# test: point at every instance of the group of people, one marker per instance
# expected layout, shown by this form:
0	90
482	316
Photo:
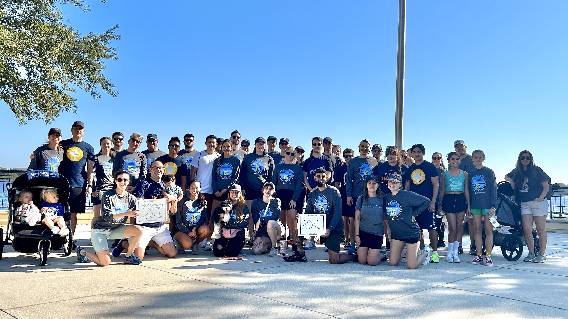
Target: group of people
227	196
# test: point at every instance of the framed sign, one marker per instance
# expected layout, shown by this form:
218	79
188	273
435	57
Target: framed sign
311	225
151	211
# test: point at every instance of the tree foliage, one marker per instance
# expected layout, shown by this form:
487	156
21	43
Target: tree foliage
43	61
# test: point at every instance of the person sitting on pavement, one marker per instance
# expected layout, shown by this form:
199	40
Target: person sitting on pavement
191	218
117	206
265	214
401	209
369	225
231	219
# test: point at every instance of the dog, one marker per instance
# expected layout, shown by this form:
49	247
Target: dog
221	217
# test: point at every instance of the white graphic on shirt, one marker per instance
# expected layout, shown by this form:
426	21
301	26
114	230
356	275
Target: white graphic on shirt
478	184
225	171
321	204
259	166
365	170
393	209
286	175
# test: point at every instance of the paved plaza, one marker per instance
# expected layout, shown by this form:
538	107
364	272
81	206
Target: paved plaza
202	286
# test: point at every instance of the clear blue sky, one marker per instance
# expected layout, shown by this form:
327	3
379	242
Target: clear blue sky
490	72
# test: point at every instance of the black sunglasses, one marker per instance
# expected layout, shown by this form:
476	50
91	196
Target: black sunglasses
528	158
316	144
118	138
436	157
120	180
235	137
291	153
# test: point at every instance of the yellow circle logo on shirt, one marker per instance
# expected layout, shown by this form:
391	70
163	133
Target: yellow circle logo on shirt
170	168
418	176
74	154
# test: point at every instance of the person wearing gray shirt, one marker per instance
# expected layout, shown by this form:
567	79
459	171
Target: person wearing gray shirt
369	226
152	152
131	161
358	170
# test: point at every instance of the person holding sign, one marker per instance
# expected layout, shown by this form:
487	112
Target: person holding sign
231	219
325	199
152	187
369	226
401	208
191	216
117	206
265	214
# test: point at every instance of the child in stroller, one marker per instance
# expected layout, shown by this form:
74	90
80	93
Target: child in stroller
52	212
27	211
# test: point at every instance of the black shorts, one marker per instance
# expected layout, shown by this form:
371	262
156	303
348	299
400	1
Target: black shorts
408	240
285	196
77	198
333	241
346	210
252	194
370	241
454	203
426	220
262	231
229	247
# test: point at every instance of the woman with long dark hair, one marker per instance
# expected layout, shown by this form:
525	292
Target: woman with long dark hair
531	185
233	217
190	218
101	181
369	225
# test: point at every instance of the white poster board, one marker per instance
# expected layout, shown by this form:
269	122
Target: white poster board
311	225
151	211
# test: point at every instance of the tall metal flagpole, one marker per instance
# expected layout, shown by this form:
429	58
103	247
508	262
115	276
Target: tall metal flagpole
400	72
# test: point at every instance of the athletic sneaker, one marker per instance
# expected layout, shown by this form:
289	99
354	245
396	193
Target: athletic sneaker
530	257
80	257
273	252
457	259
206	245
55	230
460	249
351	249
539	259
296	257
487	261
435	258
116	251
477	260
472	250
64	232
450	257
441	243
310	244
132	260
428	251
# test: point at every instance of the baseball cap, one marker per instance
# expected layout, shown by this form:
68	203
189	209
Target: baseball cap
54	130
284	140
151	137
245	143
395	177
269	184
271	138
377	147
78	123
320	170
259	140
459	142
300	150
327	140
235	187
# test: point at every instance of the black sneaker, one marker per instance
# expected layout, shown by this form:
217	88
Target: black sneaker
472	250
460	249
296	257
441	243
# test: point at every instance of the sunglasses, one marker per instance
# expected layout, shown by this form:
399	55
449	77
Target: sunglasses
525	158
316	144
235	137
436	157
120	180
118	138
291	153
188	140
136	141
348	155
174	146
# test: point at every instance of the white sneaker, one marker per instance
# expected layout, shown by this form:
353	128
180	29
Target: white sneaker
428	252
457	258
206	245
55	230
450	256
273	252
64	232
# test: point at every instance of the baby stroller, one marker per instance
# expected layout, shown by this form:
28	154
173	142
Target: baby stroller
37	238
509	234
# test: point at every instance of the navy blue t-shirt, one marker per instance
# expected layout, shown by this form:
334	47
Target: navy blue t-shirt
312	164
173	166
75	156
420	177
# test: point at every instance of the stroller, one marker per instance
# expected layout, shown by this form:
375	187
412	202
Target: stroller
509	233
37	238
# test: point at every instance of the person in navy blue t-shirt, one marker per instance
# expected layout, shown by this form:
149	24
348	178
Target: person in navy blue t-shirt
316	160
76	153
422	178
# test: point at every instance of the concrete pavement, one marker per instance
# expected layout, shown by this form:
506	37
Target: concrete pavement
202	286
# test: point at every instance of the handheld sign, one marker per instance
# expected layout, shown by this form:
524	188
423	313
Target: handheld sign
311	225
151	211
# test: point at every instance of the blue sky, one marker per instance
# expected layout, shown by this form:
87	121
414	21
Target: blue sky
490	72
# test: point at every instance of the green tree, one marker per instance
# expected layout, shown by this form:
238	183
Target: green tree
43	61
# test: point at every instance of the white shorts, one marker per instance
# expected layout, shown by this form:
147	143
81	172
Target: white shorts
161	235
534	208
